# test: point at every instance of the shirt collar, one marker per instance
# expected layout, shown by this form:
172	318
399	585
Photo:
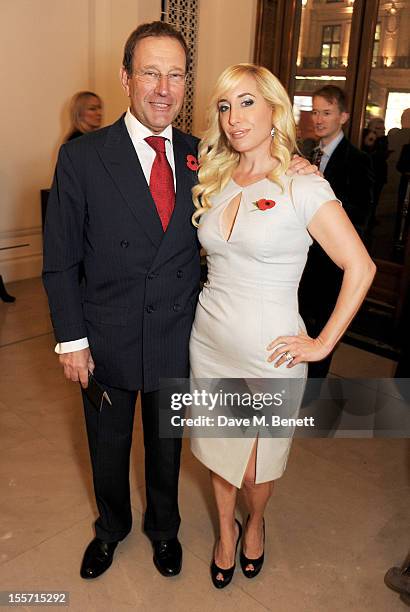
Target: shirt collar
329	148
138	132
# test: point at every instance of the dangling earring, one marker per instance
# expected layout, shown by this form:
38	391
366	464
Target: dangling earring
272	132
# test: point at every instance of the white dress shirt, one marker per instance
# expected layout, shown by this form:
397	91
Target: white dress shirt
328	150
146	155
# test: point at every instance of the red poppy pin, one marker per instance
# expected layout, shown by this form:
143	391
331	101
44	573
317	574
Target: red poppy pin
192	163
264	204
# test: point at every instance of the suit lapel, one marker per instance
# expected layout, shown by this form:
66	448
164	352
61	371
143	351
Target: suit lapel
185	180
335	163
121	161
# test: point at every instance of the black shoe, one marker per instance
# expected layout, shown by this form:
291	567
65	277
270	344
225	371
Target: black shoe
227	574
405	598
257	563
97	558
398	578
6	297
167	556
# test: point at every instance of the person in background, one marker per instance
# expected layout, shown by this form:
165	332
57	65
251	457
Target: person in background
398	141
379	153
403	167
369	138
397	138
86	114
350	174
376	124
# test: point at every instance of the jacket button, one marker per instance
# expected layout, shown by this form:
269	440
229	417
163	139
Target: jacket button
150	309
180	274
124	244
176	307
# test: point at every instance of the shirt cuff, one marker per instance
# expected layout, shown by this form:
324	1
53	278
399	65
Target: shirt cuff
72	346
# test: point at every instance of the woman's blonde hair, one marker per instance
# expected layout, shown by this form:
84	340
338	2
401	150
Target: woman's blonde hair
217	158
77	106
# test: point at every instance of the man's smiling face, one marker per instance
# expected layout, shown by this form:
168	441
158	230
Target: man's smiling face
156	104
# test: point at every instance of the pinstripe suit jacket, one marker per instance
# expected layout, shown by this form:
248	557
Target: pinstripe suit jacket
139	286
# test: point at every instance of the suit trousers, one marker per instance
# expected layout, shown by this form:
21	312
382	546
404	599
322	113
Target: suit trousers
109	439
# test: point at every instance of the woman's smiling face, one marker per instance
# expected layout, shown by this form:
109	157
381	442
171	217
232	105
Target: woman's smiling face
245	116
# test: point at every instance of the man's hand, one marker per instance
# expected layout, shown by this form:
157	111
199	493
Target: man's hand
77	365
300	165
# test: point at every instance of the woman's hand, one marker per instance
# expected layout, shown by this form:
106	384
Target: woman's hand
297	349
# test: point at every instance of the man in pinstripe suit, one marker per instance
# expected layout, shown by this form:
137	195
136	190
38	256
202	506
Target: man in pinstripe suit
130	319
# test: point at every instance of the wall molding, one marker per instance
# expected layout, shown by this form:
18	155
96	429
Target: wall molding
19	233
21	253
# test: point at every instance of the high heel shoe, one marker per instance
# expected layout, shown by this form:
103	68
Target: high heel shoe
257	563
227	574
6	297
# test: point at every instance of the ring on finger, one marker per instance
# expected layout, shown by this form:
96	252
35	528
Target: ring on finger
288	356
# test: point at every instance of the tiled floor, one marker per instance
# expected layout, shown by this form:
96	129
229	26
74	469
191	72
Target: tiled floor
338	519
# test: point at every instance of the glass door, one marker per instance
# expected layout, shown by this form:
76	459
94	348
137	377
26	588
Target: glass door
362	46
322	56
385	134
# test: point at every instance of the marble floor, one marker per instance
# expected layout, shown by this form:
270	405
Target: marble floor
338	518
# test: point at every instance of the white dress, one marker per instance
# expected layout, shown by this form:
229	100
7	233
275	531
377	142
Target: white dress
250	298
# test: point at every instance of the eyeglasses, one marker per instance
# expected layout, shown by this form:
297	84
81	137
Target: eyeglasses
153	77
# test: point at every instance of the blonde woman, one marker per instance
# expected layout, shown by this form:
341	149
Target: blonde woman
256	224
86	114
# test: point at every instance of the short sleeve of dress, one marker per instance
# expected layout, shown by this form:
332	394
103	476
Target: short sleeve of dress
308	193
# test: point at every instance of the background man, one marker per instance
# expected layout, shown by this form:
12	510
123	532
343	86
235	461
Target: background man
350	174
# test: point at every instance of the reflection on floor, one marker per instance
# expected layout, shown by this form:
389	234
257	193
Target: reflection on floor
337	521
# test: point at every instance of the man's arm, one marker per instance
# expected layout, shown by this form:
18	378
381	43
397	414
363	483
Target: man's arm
63	251
63	254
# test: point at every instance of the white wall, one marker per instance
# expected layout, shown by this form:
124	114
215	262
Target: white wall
49	49
114	21
39	71
226	36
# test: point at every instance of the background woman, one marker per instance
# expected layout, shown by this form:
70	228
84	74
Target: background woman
86	114
256	223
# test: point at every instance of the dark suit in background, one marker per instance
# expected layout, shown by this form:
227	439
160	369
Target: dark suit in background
135	305
350	174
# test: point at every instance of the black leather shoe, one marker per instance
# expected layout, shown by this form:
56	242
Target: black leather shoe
6	297
97	558
167	556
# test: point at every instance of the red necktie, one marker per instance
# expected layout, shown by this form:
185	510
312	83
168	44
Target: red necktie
161	182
